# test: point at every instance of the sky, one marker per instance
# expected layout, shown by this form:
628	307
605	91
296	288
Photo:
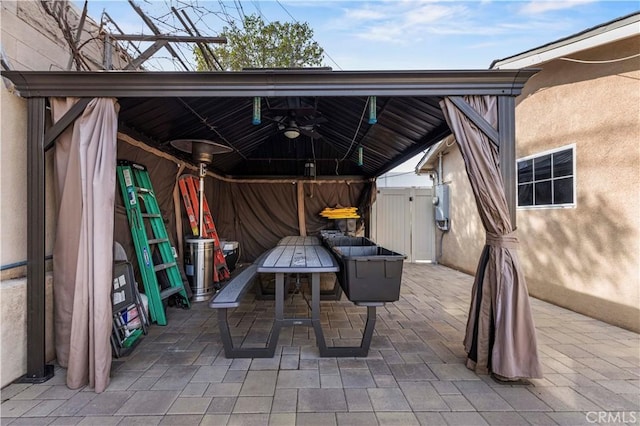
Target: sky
390	34
397	34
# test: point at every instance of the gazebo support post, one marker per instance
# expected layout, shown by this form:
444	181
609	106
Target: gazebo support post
37	370
507	143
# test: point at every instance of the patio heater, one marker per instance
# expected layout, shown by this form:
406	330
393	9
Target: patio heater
199	261
202	151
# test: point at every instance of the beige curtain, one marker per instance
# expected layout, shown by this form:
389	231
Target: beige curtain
500	336
85	163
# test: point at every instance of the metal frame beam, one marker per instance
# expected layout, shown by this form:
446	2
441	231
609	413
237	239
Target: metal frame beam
507	143
146	54
476	119
74	45
69	117
156	31
37	369
504	139
308	82
168	38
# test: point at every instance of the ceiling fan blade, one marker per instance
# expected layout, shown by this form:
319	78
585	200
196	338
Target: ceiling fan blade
310	133
276	119
312	120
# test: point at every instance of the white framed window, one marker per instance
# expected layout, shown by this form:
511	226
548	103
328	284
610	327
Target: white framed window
548	179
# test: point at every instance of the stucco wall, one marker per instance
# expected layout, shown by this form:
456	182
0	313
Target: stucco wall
585	258
13	332
24	44
463	243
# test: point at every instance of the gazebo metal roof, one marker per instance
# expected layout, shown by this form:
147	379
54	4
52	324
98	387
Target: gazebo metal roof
157	107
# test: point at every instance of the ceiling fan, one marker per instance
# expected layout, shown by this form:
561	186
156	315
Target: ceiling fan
293	126
296	116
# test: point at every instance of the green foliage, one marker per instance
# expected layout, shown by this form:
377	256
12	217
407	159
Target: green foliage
256	45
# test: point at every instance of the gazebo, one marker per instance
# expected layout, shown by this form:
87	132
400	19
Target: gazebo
353	126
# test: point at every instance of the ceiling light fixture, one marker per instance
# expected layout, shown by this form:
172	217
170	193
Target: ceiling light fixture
292	131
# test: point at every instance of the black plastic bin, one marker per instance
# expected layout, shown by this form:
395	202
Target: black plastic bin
327	233
369	273
348	241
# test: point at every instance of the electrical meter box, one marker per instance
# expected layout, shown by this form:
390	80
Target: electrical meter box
442	203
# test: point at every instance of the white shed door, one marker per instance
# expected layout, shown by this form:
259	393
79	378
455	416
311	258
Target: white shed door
402	221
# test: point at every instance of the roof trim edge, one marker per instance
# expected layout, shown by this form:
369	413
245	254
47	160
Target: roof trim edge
608	32
269	83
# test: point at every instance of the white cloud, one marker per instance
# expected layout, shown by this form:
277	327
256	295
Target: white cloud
402	22
383	34
541	6
432	13
365	14
401	34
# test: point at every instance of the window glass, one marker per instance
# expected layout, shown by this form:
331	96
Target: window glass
563	191
525	194
563	163
525	171
547	179
542	167
542	193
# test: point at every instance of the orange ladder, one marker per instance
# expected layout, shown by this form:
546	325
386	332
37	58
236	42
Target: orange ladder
189	185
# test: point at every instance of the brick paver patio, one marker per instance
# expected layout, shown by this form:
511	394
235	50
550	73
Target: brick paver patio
414	374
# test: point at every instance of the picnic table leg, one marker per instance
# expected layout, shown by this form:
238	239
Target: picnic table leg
232	352
339	351
334	294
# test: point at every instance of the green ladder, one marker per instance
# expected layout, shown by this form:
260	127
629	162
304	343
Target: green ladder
138	195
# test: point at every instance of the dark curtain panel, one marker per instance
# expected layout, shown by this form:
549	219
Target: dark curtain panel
255	214
319	196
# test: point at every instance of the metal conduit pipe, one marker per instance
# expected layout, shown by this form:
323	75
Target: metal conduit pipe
19	264
442	230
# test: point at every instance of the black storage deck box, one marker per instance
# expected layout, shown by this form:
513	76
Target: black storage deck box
369	273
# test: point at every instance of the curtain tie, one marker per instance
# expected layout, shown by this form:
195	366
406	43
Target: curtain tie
508	241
